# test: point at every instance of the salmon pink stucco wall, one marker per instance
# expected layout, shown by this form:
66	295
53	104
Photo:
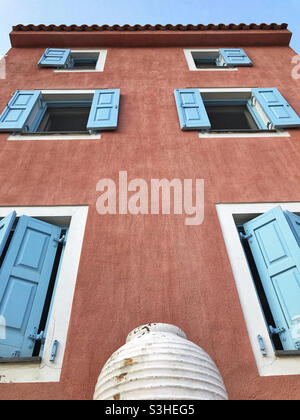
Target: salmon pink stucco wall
136	269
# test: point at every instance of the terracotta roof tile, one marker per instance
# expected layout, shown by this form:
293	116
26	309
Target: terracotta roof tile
148	27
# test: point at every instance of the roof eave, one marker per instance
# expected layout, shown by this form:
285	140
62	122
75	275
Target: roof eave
149	36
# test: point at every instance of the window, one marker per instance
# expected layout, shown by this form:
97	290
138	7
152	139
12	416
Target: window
216	59
271	242
73	60
206	60
31	251
241	110
36	288
56	112
263	244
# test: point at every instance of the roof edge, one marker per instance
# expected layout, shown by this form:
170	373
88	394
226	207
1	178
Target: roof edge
63	36
148	27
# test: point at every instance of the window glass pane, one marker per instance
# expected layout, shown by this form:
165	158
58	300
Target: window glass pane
65	119
205	63
205	59
230	118
84	64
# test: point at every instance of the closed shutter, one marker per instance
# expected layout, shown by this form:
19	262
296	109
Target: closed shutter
277	257
24	280
19	110
56	57
104	110
191	110
277	109
235	57
6	225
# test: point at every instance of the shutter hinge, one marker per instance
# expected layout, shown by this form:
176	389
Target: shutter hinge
70	64
262	345
253	101
60	240
274	331
25	129
53	351
297	345
36	337
246	237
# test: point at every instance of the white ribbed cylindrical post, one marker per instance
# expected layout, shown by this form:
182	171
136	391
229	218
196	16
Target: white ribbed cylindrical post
159	363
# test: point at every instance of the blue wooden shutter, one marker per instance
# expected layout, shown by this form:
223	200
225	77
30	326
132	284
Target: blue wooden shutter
104	110
24	281
235	57
279	112
277	257
6	225
55	57
294	222
18	111
191	110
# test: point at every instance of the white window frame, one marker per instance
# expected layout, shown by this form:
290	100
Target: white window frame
99	65
234	93
229	214
46	371
63	94
191	63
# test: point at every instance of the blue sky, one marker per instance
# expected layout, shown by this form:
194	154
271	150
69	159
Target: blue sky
147	11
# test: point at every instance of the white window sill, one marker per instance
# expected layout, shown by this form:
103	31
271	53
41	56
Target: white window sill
32	136
228	215
215	69
46	371
76	71
223	135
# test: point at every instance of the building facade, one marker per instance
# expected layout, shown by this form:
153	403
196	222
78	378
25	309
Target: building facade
99	124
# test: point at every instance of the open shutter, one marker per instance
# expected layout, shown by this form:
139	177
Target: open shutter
104	110
294	222
277	257
191	110
55	57
17	112
279	112
235	57
6	225
25	275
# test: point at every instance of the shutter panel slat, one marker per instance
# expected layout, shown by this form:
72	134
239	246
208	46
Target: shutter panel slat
277	109
277	257
25	276
104	110
235	57
191	110
6	225
56	57
18	110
